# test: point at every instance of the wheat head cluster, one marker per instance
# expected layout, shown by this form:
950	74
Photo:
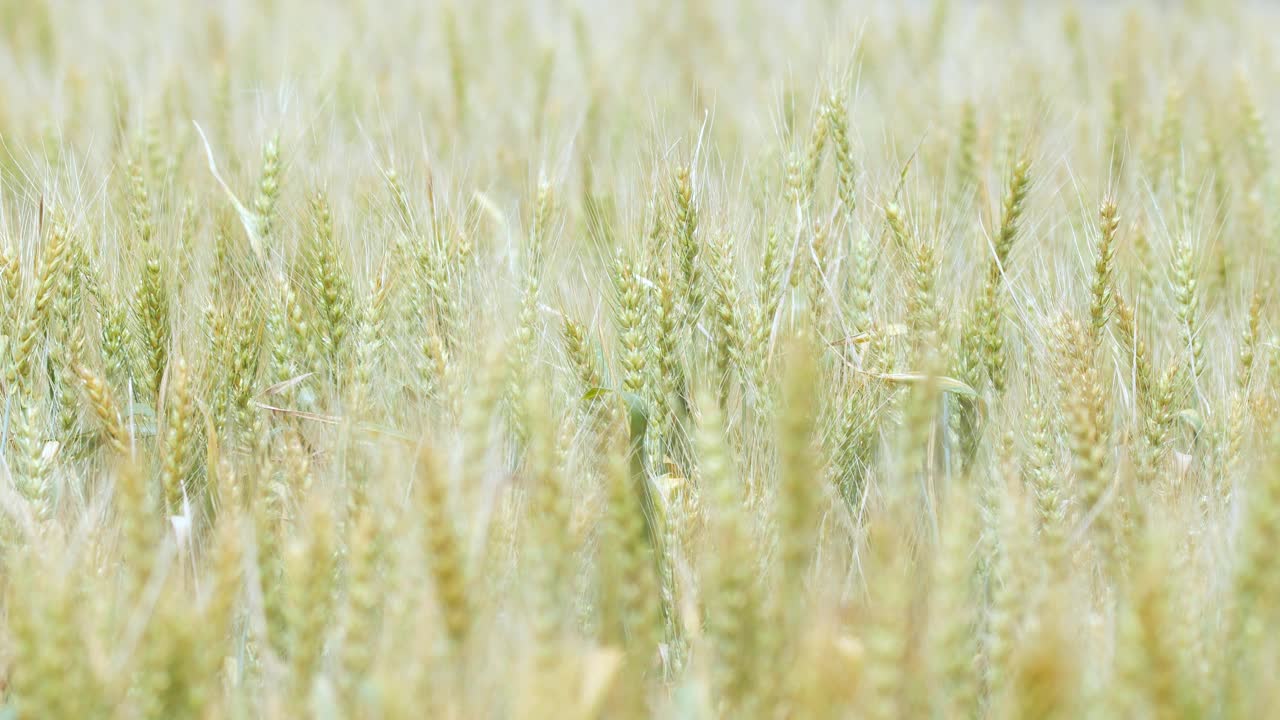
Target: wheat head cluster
575	359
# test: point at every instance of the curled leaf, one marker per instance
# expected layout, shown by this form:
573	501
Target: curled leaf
945	383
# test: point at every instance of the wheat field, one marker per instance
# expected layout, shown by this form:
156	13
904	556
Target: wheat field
579	359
